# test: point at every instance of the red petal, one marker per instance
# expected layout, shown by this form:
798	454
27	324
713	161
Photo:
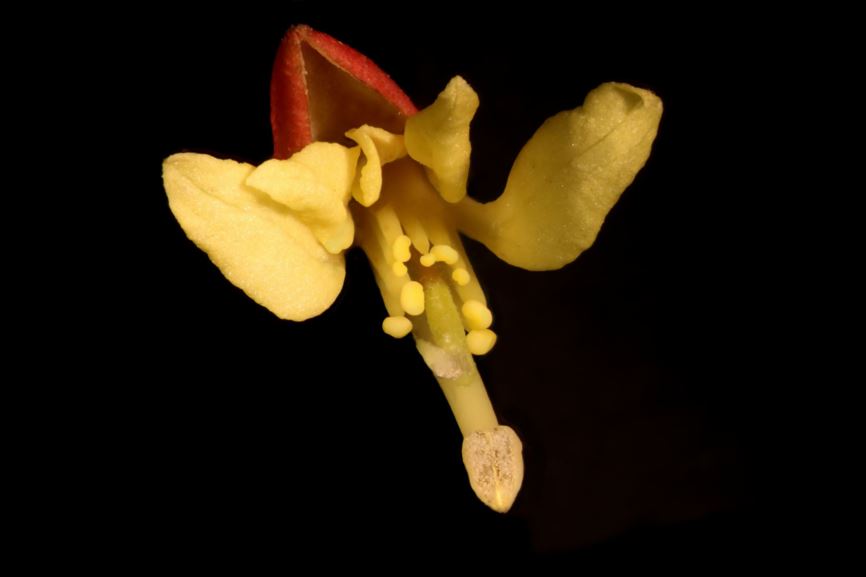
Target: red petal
320	88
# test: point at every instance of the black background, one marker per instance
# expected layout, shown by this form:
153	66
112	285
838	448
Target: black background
636	376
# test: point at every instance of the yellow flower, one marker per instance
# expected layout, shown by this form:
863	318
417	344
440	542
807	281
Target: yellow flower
278	231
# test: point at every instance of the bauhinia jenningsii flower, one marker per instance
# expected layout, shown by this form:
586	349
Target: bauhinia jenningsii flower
357	164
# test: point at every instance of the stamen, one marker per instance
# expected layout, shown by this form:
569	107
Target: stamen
472	289
397	327
389	285
400	248
439	253
436	225
337	238
460	276
387	222
477	315
412	298
480	341
399	269
379	147
415	230
444	253
427	260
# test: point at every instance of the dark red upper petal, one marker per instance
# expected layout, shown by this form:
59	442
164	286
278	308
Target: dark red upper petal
320	88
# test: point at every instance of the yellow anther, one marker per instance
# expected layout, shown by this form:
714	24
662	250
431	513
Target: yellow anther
412	298
400	248
397	327
460	276
399	269
480	341
477	315
428	259
444	253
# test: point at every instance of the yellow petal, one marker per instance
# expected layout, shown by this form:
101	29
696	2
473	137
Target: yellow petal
438	138
379	147
258	244
567	178
332	164
315	185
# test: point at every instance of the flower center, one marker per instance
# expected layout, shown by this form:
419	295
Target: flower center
413	244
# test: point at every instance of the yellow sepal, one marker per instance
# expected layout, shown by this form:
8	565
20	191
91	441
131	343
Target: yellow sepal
566	179
258	244
438	138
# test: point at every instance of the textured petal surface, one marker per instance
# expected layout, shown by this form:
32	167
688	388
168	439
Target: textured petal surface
379	147
257	243
566	179
315	184
438	138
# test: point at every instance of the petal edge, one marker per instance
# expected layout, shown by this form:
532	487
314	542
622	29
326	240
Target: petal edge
566	179
265	251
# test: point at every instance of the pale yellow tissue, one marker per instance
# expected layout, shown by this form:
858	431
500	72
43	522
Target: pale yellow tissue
567	178
427	260
461	276
337	237
399	269
401	248
259	245
397	327
476	315
316	194
333	165
379	147
480	341
438	138
445	253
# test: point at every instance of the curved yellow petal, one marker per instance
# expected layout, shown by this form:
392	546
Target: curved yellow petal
332	164
566	179
379	147
315	184
438	138
258	244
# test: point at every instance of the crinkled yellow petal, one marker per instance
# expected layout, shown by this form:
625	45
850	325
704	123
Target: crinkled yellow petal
333	165
379	147
567	178
258	244
438	138
315	185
